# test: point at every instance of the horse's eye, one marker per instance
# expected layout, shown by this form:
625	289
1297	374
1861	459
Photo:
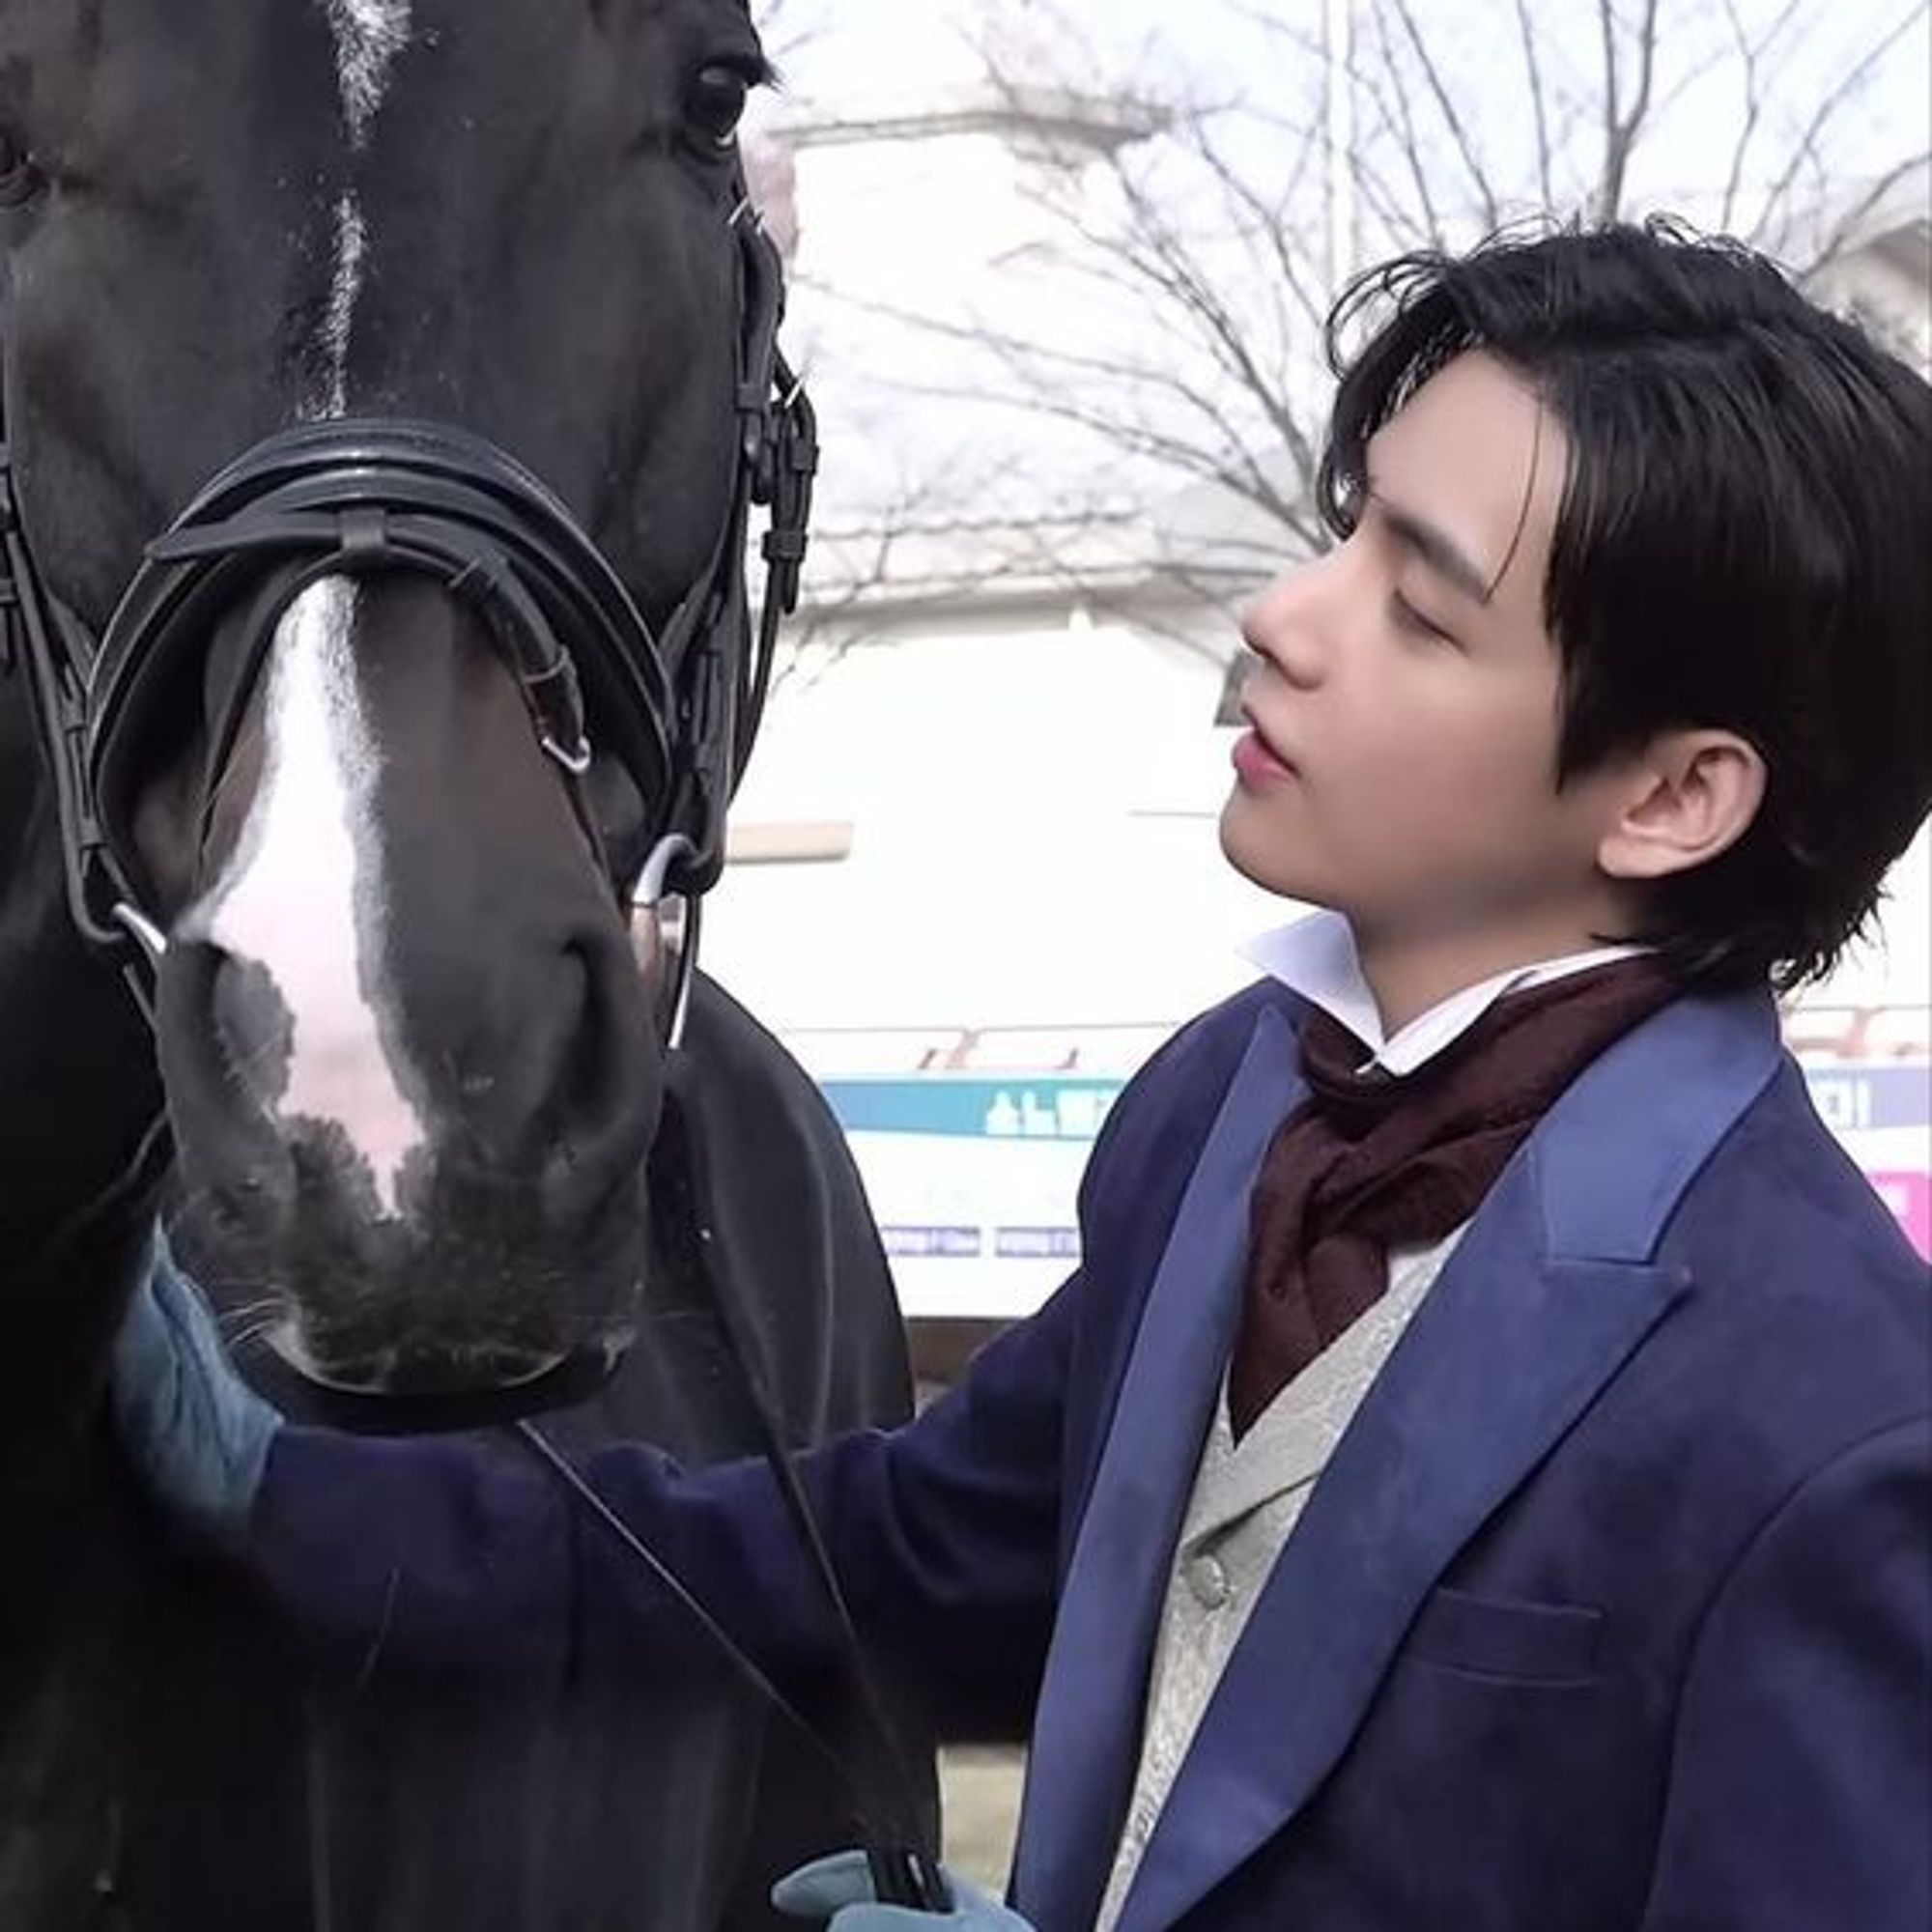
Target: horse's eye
716	104
19	178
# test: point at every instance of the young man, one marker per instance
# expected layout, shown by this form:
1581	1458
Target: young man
1495	1206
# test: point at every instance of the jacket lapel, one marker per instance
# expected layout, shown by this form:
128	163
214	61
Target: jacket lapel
1087	1728
1546	1295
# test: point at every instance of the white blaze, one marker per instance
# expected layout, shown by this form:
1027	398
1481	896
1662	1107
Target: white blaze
304	894
351	244
369	35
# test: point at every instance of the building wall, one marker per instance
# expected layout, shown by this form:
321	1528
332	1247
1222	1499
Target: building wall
1033	836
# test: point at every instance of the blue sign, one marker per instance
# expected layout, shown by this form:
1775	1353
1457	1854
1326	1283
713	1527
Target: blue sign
1852	1099
1048	1108
974	1178
1860	1100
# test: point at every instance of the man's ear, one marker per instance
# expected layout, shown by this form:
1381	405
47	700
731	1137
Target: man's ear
1691	795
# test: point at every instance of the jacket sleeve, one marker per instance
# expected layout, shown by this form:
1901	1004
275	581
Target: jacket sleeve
467	1554
1801	1777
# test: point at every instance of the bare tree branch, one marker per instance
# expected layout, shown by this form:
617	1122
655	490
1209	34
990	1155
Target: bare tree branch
1806	149
1607	25
1623	127
1747	58
1532	66
1413	148
1182	340
1451	117
1846	229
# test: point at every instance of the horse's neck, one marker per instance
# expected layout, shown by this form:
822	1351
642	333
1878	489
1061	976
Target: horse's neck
77	1083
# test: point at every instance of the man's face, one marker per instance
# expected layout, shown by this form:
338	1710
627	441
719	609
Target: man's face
1405	696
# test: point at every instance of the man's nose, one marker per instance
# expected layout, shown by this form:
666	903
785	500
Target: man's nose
1287	626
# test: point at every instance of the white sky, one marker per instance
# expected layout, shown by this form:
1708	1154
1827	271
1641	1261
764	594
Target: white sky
884	49
919	41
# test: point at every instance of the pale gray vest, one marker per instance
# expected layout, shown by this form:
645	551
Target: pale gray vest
1246	1500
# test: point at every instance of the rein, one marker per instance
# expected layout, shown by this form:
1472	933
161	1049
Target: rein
903	1863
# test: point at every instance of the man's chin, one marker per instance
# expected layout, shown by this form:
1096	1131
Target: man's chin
1248	849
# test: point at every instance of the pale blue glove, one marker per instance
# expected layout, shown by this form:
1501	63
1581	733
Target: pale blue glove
198	1434
840	1890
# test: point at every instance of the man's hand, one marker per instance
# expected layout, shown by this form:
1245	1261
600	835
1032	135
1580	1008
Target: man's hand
198	1434
838	1889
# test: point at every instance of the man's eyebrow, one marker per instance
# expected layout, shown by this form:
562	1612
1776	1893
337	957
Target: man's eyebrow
1438	551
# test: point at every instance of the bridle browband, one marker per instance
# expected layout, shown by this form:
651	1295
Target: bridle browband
679	712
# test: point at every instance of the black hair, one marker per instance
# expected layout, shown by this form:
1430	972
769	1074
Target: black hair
1744	541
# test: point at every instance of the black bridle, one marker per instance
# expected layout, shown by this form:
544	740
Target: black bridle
679	712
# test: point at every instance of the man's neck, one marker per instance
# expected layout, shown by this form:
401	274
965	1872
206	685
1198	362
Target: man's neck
1409	977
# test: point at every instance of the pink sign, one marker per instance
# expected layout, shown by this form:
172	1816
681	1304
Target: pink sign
1909	1196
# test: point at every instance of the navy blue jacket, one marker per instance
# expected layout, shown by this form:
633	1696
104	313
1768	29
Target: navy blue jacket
1612	1611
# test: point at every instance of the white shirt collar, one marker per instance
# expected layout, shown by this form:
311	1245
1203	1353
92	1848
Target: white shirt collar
1314	957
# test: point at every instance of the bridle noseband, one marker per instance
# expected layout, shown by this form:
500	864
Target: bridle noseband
678	712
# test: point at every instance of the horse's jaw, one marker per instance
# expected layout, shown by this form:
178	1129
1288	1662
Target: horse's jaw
393	1372
403	1396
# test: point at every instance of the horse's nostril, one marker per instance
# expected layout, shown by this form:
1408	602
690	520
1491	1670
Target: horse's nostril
253	1026
223	1042
581	1018
606	1088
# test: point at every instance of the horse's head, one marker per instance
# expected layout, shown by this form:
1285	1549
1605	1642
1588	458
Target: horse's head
341	755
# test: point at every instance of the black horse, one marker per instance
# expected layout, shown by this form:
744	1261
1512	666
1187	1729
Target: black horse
298	300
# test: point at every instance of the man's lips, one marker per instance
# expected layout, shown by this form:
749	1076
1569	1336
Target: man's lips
1257	759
